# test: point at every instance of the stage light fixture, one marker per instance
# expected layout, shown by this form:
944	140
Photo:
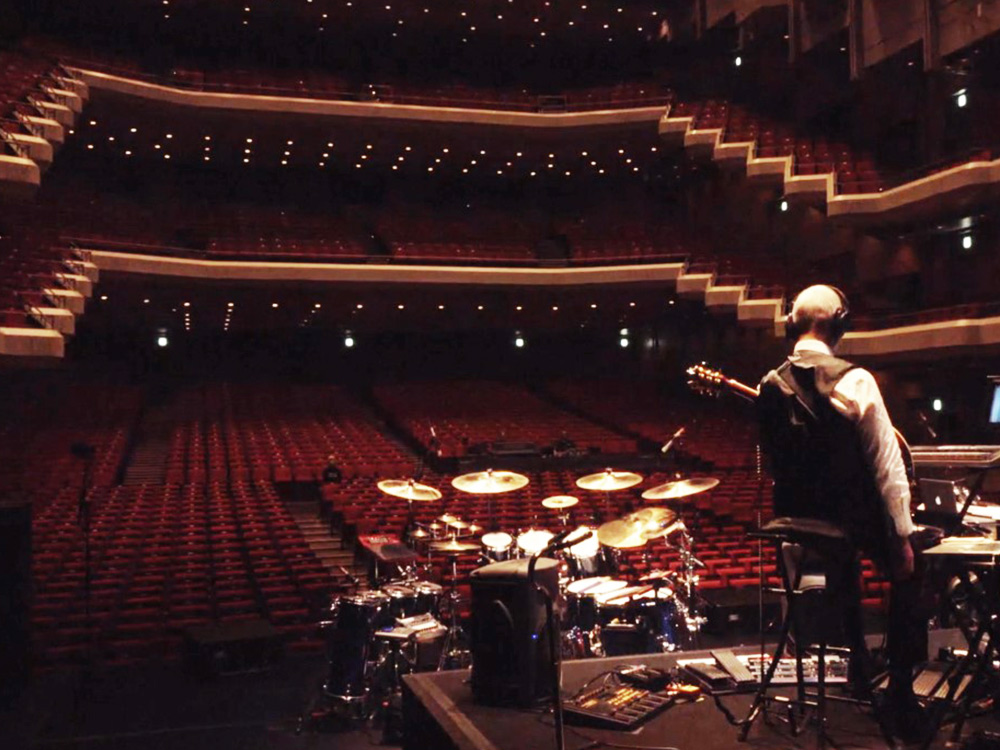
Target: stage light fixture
519	342
937	404
738	62
783	206
967	242
349	341
961	98
623	342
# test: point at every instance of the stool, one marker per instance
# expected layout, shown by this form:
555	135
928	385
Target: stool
825	549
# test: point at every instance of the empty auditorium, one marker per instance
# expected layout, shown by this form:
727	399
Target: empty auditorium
499	375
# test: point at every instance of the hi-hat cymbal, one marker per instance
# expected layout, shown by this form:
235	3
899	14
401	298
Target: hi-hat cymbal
453	547
419	534
681	488
409	489
621	534
559	502
489	482
609	480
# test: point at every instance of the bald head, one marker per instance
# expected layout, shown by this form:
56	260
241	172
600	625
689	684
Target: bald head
813	311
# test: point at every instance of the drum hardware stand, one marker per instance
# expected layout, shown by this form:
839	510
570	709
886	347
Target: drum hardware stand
452	654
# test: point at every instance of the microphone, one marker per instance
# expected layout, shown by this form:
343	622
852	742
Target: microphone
667	445
566	539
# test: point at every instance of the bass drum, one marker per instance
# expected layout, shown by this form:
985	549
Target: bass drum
653	613
349	632
582	600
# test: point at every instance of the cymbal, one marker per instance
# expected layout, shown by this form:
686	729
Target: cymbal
457	524
453	547
409	489
559	502
475	528
419	534
489	482
655	522
681	488
621	534
447	518
609	480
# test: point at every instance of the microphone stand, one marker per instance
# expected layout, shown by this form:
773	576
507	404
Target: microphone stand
554	656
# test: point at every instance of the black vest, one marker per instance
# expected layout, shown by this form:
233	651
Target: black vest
815	454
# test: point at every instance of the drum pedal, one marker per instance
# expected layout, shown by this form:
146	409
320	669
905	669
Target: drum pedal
741	675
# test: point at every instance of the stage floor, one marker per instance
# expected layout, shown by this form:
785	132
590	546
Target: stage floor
439	713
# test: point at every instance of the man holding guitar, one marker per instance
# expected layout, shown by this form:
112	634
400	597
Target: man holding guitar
834	455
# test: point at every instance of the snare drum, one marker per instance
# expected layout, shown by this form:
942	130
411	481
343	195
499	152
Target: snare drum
533	541
353	621
497	545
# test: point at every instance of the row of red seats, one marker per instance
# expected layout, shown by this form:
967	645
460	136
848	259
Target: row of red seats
465	413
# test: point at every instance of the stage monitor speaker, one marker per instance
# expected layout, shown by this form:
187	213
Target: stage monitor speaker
510	647
15	595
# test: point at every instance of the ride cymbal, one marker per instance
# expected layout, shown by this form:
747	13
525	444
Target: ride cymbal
609	480
409	489
489	482
680	489
560	502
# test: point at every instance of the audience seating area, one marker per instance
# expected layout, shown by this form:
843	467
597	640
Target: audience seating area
20	75
466	413
168	557
279	432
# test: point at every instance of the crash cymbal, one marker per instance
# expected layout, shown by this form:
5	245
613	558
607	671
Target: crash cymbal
457	524
653	516
609	480
560	502
679	489
409	489
621	534
447	518
453	547
489	482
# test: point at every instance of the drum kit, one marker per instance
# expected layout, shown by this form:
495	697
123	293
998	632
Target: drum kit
412	624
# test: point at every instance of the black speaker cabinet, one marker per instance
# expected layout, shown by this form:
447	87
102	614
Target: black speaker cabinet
15	595
510	647
231	648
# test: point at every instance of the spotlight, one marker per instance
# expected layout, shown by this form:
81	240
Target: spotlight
783	206
961	98
519	341
623	342
349	341
966	241
161	341
738	61
937	405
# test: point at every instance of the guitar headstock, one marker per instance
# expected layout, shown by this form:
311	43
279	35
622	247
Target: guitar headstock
705	381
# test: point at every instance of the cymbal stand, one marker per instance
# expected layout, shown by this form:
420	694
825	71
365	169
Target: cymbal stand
688	605
452	654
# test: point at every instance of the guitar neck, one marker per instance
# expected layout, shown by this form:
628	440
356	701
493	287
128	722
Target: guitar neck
741	389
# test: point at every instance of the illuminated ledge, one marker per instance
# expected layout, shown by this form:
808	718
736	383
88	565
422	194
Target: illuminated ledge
364	273
329	107
19	176
31	342
943	335
956	186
